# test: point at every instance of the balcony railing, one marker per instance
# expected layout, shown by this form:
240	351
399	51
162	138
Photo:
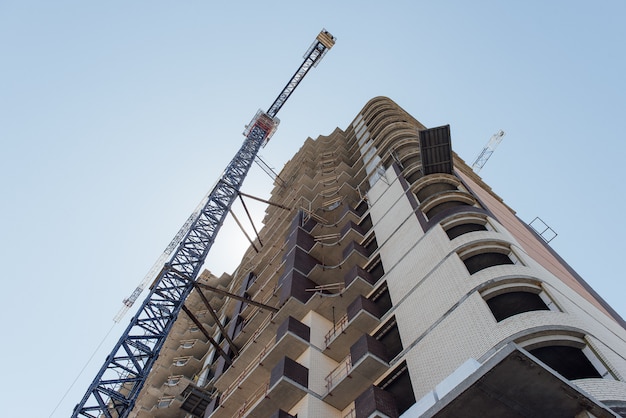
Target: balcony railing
253	399
249	367
365	363
362	317
338	328
339	373
292	338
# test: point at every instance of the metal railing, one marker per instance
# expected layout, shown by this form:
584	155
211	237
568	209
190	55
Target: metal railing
251	366
339	327
253	399
340	372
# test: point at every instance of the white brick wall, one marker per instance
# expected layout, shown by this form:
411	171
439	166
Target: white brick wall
319	327
312	407
603	389
442	318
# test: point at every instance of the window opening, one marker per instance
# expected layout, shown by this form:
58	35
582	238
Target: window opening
568	361
361	208
239	324
366	223
378	174
465	228
251	279
173	380
389	336
484	260
443	206
187	343
398	383
382	298
376	269
165	402
434	188
371	245
181	361
508	304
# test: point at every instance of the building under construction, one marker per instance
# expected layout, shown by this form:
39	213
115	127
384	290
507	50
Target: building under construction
389	280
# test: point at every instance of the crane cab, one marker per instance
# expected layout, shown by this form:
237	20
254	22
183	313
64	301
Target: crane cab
264	122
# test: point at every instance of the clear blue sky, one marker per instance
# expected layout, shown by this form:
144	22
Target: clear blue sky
117	117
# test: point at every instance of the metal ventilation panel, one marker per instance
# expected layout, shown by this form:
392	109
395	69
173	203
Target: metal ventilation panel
436	150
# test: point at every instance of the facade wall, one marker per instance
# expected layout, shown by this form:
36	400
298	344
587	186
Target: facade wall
363	285
536	249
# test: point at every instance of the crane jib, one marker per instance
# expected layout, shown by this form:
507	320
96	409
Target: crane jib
114	391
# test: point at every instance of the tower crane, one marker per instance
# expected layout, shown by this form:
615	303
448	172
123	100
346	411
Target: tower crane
484	155
115	389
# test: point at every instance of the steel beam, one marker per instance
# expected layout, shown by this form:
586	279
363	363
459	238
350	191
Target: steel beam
206	334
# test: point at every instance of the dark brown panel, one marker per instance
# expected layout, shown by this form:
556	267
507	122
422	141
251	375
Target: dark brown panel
436	150
375	400
291	370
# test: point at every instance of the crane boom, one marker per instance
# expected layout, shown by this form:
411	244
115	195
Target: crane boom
484	155
114	390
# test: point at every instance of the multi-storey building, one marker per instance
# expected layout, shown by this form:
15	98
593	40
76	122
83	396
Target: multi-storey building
390	280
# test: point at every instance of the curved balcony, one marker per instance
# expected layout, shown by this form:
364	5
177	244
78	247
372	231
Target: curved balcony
445	201
185	365
347	213
434	184
353	254
326	248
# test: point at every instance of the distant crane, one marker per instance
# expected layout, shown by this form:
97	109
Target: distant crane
487	151
115	389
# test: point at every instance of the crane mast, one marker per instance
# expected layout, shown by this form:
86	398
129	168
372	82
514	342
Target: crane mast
114	390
